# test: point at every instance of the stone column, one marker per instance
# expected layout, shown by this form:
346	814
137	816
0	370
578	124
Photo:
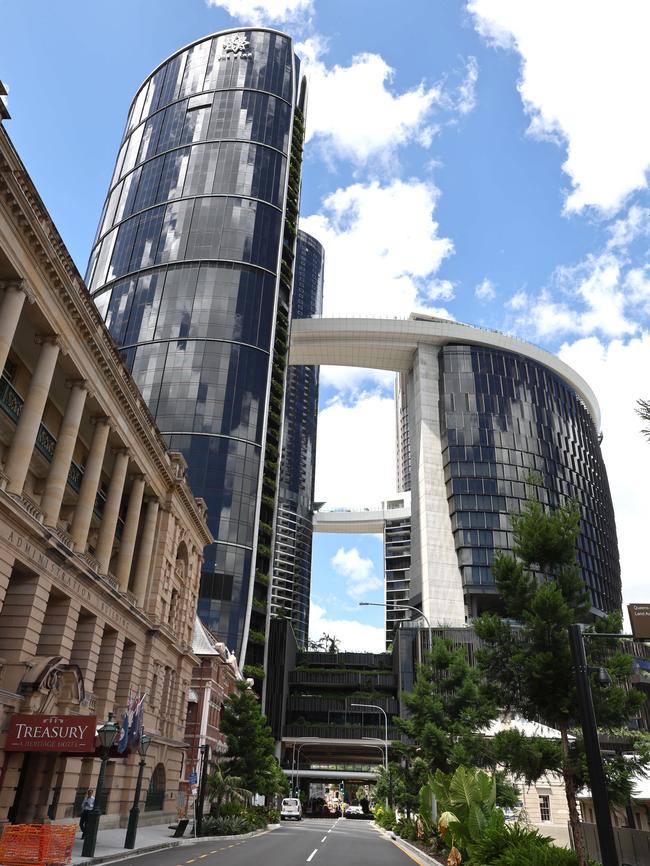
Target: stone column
111	511
108	669
89	484
129	533
59	626
143	564
22	446
86	646
10	309
67	438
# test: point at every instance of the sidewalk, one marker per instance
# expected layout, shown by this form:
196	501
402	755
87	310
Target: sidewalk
110	843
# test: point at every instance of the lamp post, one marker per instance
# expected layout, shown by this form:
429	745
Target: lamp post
107	735
400	606
592	747
300	748
381	710
382	749
134	814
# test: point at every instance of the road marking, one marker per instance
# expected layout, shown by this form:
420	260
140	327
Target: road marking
324	838
202	856
190	861
408	853
311	856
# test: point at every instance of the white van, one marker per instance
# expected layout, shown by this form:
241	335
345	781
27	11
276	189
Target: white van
291	808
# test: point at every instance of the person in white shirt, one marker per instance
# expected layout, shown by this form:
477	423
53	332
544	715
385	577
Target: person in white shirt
87	806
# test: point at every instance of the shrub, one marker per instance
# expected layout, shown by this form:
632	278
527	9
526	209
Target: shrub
230	809
229	825
407	828
269	814
386	818
502	844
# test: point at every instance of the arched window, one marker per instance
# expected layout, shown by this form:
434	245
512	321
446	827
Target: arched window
182	560
156	791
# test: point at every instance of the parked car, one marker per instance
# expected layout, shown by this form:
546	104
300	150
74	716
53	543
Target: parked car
291	808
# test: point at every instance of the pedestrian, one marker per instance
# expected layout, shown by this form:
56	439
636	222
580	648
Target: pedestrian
87	806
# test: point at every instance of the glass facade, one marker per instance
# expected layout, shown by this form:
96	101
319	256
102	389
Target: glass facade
508	421
293	538
186	270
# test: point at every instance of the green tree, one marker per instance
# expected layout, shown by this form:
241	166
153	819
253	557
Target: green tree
529	665
250	744
447	709
223	787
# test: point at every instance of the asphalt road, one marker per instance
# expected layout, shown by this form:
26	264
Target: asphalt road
320	842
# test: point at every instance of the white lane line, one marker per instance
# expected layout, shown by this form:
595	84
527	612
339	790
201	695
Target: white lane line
324	838
311	856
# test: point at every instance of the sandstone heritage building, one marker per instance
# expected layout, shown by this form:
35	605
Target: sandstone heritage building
101	540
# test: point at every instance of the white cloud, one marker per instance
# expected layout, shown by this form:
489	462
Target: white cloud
598	295
373	123
356	451
485	290
584	73
467	91
382	247
624	231
354	379
261	11
358	570
354	636
618	373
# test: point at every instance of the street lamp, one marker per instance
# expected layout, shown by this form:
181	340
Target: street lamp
107	735
134	814
293	759
381	710
300	748
401	606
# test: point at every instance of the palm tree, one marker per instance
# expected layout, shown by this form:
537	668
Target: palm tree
222	787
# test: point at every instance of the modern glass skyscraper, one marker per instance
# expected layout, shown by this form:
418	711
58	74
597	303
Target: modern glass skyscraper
192	268
294	530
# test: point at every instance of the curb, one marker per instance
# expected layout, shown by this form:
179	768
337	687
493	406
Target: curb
409	849
163	846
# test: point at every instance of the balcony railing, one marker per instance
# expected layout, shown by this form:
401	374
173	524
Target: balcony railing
342	732
359	680
317	704
12	405
373	661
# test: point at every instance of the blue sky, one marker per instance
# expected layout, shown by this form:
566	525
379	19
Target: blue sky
485	160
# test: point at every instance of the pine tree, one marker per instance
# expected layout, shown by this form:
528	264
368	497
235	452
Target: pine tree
529	665
447	709
250	744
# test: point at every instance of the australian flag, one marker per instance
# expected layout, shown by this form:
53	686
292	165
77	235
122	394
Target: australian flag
137	721
123	741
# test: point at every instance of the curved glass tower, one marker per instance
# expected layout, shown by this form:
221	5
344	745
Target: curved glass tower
294	525
192	269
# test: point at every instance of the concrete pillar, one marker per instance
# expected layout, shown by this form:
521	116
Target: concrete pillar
108	669
147	539
7	560
10	309
129	533
434	564
89	485
111	511
22	445
21	620
59	626
58	475
86	646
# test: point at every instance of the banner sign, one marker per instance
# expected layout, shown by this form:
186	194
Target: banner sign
640	620
38	733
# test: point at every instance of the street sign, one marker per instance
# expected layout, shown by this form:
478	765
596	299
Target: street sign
192	778
640	620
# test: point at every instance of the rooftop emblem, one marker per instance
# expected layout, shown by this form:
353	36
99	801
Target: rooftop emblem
235	46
